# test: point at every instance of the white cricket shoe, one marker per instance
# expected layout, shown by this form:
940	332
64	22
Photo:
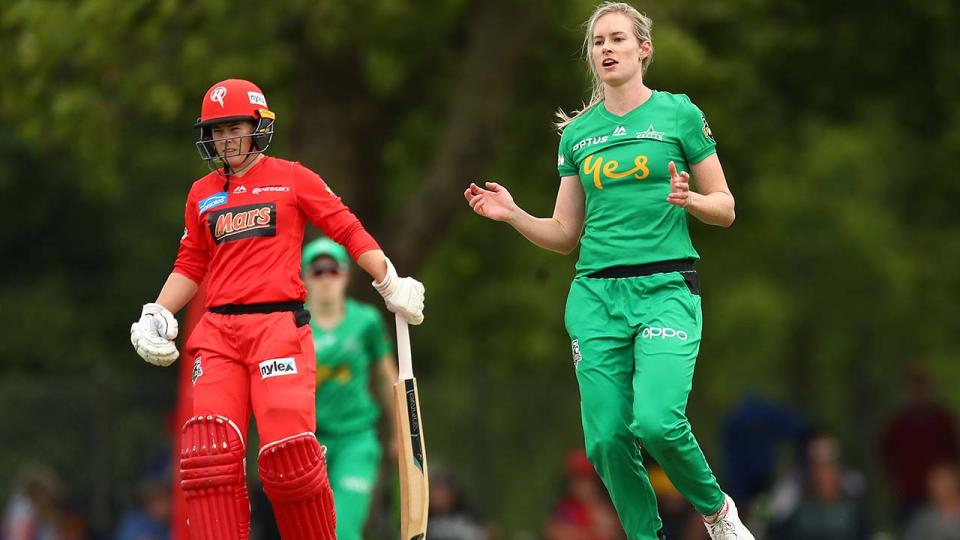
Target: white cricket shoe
728	525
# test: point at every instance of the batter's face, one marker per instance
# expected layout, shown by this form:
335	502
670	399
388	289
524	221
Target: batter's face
326	279
233	142
617	54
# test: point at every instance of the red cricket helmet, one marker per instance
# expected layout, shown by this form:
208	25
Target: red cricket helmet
233	100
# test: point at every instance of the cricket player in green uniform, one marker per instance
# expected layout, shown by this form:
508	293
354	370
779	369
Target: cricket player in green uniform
633	311
355	376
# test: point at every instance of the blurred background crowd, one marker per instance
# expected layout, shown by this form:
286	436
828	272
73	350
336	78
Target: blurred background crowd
791	476
825	394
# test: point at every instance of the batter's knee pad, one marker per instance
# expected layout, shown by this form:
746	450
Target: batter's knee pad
213	479
293	472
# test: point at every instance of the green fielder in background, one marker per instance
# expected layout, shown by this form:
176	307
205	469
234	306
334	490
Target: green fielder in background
633	311
355	376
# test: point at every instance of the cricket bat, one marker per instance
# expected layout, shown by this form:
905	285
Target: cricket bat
414	483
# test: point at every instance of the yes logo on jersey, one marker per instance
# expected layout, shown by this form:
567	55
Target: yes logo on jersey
340	373
250	221
595	165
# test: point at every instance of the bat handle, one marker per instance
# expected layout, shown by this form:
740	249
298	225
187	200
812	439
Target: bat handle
404	360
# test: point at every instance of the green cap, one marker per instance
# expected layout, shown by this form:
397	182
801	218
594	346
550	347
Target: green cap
324	246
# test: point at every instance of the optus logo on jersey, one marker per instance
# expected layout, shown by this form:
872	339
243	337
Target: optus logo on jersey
594	164
656	332
589	141
276	367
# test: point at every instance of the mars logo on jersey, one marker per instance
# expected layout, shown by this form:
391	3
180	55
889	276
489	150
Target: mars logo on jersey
277	367
241	222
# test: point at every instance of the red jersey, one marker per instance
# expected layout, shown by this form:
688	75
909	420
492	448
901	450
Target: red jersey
249	237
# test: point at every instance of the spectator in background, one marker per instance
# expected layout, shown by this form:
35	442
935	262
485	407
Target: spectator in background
584	511
919	435
74	522
451	518
33	511
940	518
150	520
751	436
830	505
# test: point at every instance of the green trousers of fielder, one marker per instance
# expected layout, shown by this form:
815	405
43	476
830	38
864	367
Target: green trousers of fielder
353	462
635	343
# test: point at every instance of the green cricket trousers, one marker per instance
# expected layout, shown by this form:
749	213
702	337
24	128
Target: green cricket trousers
635	337
353	463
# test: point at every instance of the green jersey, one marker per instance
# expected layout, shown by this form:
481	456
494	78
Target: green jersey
345	355
623	162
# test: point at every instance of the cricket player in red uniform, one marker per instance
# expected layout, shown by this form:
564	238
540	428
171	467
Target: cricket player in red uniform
253	349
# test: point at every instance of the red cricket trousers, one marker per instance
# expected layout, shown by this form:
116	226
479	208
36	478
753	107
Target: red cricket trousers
262	361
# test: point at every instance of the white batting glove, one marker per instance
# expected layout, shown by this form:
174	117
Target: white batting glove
403	296
152	336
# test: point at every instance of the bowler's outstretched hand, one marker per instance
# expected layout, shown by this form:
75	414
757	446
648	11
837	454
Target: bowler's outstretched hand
494	203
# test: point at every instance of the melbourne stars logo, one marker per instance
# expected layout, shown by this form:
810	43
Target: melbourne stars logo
650	133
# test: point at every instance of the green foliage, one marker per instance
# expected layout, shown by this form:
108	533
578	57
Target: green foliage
837	123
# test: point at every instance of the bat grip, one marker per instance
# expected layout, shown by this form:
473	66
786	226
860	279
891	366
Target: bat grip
403	349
